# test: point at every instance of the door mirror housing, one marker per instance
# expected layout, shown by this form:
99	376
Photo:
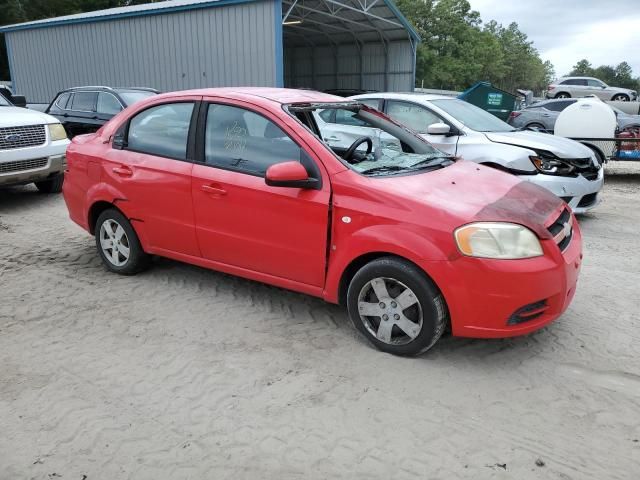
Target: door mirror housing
438	129
19	101
289	174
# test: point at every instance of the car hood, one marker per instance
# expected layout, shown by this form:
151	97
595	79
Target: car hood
467	192
559	146
22	117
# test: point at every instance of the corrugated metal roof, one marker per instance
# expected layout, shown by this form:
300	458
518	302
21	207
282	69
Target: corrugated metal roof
119	12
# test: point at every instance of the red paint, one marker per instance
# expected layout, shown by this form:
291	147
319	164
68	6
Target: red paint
296	238
286	171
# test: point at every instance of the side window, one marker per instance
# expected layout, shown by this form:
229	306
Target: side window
413	116
108	104
347	117
244	141
162	130
370	102
328	115
84	101
594	83
557	106
61	101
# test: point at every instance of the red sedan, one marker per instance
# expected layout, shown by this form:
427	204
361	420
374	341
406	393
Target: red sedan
410	240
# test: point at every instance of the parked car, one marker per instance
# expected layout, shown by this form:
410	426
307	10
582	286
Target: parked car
568	87
85	109
543	116
567	168
32	148
409	240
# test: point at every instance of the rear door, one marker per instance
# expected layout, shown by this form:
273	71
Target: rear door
240	220
81	110
153	171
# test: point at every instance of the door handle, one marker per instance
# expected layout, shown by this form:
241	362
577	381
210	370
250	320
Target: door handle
546	115
213	190
331	139
123	171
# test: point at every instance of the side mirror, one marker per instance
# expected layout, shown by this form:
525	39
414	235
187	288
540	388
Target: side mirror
19	101
289	174
438	129
118	141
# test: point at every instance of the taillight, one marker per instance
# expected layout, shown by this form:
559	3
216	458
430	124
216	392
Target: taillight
551	87
514	115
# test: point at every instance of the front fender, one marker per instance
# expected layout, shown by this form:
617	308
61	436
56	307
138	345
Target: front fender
404	242
510	157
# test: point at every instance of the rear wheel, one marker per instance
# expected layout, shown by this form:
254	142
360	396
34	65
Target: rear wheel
535	126
562	95
52	185
396	307
621	97
118	244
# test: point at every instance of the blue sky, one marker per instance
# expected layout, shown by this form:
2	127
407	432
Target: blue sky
565	31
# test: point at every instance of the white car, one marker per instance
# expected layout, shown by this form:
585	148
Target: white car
565	167
32	148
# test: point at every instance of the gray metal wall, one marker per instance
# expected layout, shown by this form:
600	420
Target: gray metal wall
347	66
221	46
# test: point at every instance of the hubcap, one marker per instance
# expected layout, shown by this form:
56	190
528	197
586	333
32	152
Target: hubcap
114	243
390	311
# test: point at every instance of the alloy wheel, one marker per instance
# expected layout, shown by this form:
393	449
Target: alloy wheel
114	243
390	311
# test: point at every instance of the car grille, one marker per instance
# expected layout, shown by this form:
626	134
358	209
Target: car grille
528	312
23	165
21	137
562	229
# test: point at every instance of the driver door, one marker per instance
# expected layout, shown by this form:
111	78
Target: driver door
418	118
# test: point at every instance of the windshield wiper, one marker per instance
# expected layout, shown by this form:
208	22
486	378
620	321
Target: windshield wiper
386	168
432	162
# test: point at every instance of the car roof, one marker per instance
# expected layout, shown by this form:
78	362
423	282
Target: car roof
404	96
276	95
579	78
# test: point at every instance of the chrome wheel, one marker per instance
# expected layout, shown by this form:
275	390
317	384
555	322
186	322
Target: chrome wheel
114	243
390	311
621	98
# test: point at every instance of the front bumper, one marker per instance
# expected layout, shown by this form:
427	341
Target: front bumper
578	192
21	172
486	293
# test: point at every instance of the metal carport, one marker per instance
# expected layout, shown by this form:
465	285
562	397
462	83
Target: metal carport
182	44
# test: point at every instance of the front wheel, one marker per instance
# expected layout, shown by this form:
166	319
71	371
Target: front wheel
396	307
118	244
52	185
563	95
621	97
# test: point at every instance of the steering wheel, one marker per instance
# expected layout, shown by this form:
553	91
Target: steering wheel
359	141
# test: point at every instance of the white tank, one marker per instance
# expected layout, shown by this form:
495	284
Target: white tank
588	118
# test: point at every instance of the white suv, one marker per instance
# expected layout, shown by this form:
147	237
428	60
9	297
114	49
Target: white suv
568	87
32	148
565	167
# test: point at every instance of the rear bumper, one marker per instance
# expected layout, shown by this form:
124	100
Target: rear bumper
20	172
486	294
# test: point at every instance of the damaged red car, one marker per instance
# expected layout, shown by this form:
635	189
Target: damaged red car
412	242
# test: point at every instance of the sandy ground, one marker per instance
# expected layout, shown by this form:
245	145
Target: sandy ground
184	373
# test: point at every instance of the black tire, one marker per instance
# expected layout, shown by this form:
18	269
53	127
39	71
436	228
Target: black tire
429	301
52	185
137	260
562	95
533	125
620	97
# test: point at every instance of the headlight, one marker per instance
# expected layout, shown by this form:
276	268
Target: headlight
551	166
56	132
497	240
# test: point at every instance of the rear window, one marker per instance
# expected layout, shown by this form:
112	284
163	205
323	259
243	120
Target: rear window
132	96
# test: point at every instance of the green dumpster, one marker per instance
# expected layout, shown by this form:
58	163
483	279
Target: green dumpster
494	100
